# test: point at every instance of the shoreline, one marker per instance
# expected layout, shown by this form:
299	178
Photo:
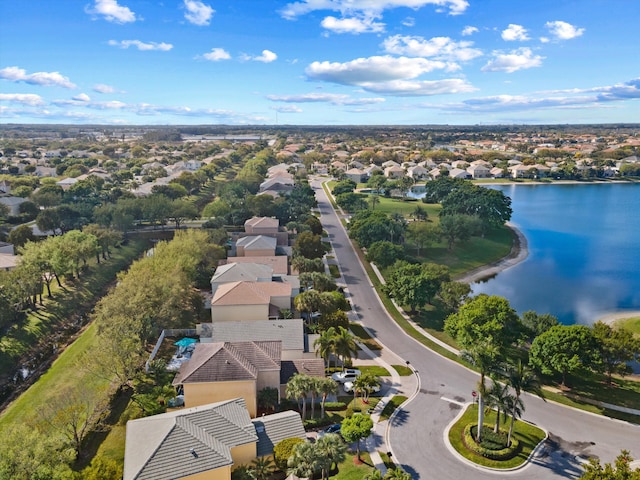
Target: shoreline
519	252
613	317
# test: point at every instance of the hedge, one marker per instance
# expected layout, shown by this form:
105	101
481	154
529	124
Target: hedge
503	454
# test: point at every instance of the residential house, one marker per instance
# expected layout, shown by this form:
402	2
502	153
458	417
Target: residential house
67	183
240	272
279	263
13	203
497	172
479	171
356	175
204	442
250	301
258	245
394	172
459	173
417	172
262	226
221	371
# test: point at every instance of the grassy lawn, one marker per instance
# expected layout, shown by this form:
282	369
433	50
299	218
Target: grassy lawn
528	435
391	406
632	324
350	470
359	331
374	370
403	370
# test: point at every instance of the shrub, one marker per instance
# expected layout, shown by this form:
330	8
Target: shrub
283	450
504	453
334	406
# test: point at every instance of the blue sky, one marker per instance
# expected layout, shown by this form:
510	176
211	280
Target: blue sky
319	62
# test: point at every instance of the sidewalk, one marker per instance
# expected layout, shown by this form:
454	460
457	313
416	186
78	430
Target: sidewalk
400	385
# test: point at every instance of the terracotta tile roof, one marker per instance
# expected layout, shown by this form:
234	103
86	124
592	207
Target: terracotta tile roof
313	367
249	293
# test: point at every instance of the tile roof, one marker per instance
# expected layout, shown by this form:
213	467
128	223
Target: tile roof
290	332
272	429
257	242
236	272
229	361
262	222
186	442
279	263
249	293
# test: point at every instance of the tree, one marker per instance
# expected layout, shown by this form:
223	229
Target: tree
182	210
298	388
355	428
521	378
374	474
422	235
344	186
396	474
351	202
334	319
261	468
325	345
283	450
20	235
457	228
318	281
493	207
268	398
384	253
536	324
304	461
454	294
365	384
563	349
616	347
419	213
48	220
499	398
621	470
308	302
374	199
302	264
331	450
325	387
345	346
309	245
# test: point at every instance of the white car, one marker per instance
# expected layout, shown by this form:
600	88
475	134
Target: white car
348	388
349	374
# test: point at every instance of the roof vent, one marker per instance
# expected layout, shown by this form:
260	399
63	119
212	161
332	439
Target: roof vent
193	452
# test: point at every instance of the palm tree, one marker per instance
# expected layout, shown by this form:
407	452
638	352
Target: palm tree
345	346
500	399
397	474
297	389
312	389
521	378
374	474
326	386
261	468
303	462
325	345
374	199
484	356
365	384
332	450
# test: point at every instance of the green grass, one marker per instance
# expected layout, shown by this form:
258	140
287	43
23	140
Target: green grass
528	435
350	470
632	324
374	370
334	270
391	406
359	331
403	370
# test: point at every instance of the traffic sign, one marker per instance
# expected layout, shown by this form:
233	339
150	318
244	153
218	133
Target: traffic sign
474	394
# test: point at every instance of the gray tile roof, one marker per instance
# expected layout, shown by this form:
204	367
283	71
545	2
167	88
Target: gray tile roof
226	361
272	429
237	272
186	442
290	332
257	242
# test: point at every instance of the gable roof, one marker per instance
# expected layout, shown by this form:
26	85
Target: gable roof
227	361
279	263
236	272
186	442
262	222
289	332
272	429
257	242
249	293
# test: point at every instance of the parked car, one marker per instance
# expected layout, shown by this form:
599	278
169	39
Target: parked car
335	428
349	374
348	387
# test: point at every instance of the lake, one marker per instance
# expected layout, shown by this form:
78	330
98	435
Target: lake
584	251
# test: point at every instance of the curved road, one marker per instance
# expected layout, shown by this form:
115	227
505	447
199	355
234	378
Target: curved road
416	435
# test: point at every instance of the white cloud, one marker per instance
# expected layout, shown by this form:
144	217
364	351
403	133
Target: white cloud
563	30
409	22
83	97
112	11
515	33
102	88
287	109
333	98
198	13
45	79
217	54
408	88
438	47
353	25
22	98
519	59
111	105
144	46
469	30
370	7
267	57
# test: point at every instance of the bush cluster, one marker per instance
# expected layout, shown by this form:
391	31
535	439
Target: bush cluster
504	453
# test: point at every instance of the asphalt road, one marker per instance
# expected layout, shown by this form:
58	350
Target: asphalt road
416	435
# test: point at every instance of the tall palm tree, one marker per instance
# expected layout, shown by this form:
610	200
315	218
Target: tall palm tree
332	449
346	347
374	474
297	389
484	356
325	345
397	474
303	462
326	386
374	199
499	398
521	378
365	384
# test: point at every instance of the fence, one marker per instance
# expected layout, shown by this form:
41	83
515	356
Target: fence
170	332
